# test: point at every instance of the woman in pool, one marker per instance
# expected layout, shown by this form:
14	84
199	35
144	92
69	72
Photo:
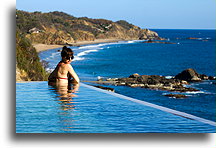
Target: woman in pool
63	72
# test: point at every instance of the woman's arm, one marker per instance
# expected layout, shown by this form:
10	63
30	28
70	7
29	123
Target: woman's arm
73	74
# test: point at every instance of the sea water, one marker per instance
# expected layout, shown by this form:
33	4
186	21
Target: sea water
121	59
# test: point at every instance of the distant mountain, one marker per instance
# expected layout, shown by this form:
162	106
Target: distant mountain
61	28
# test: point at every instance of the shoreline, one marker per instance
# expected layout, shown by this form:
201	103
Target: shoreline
43	47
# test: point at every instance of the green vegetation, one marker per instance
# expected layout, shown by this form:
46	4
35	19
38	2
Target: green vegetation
125	24
27	58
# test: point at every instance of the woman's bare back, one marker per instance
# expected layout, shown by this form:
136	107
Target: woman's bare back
62	73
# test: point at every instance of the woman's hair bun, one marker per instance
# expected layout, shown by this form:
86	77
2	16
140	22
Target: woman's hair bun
66	51
65	47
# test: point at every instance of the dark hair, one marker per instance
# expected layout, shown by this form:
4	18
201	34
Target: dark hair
67	52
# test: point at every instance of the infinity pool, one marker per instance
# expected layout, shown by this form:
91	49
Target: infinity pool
41	109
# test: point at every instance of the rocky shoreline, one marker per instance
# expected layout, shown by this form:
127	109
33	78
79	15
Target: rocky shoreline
180	83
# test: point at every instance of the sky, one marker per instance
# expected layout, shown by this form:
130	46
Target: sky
152	14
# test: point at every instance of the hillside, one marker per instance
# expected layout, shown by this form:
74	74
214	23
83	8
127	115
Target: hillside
61	28
28	65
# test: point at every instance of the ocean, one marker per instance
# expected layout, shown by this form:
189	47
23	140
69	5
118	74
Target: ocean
121	59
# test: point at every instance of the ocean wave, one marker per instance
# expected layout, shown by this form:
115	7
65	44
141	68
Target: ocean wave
49	70
76	58
54	55
195	92
86	52
90	46
130	41
79	57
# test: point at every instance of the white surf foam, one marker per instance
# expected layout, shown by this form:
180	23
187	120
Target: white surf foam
89	47
86	49
76	58
130	41
195	92
49	70
169	77
53	55
86	52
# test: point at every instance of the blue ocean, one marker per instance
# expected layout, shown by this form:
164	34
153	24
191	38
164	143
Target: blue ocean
123	58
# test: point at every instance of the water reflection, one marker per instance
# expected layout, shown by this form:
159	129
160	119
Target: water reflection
65	95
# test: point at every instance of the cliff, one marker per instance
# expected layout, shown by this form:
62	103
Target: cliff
61	28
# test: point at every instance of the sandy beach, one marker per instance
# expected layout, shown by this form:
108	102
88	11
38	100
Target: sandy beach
43	47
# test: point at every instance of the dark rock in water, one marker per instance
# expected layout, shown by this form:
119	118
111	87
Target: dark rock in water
181	88
177	96
211	78
188	75
192	38
105	88
203	77
151	41
136	75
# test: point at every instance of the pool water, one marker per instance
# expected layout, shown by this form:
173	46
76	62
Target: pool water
41	108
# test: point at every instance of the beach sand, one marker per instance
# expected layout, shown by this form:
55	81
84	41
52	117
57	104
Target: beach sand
43	47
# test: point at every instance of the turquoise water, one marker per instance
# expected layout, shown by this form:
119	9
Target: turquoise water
43	109
125	58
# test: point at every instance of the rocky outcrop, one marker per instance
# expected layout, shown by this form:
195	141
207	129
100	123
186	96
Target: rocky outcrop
148	34
191	75
21	75
153	41
156	82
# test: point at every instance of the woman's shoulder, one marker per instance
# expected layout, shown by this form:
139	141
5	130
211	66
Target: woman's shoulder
66	65
69	66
